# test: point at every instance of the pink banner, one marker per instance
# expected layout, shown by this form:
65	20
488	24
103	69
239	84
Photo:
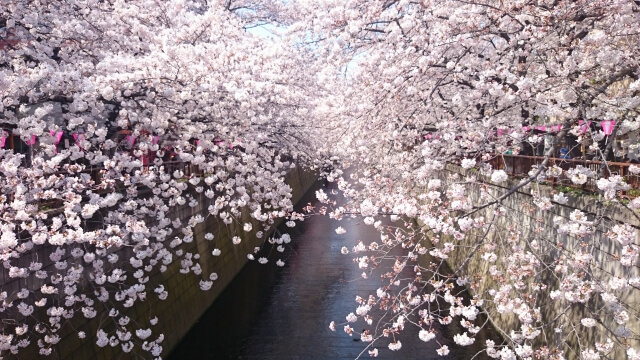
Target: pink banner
3	140
607	126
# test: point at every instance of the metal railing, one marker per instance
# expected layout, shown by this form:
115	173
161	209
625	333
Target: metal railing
520	165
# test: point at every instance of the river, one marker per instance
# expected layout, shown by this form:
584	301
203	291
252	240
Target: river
271	312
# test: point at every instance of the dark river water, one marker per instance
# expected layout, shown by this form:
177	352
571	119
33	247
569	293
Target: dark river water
271	312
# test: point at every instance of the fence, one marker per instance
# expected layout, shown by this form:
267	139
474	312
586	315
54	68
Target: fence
520	165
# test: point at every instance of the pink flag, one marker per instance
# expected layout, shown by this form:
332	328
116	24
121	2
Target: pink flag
56	135
607	126
131	140
584	128
31	141
78	138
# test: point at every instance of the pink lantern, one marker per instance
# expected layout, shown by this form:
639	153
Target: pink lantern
541	128
607	126
500	132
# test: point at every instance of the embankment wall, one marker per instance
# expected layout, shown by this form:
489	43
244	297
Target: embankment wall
185	303
525	225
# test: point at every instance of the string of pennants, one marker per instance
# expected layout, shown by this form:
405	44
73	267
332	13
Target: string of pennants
57	137
607	128
78	138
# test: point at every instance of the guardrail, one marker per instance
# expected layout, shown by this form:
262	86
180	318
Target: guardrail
520	165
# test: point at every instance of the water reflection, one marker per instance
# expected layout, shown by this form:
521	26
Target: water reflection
270	312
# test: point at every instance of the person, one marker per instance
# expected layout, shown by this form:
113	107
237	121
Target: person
564	153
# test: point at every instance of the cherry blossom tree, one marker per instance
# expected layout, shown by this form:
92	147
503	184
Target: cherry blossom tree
431	83
158	103
127	109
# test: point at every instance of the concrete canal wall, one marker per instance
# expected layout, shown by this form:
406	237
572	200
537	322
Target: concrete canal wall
187	302
524	224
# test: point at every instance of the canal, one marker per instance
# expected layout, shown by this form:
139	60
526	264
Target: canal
271	312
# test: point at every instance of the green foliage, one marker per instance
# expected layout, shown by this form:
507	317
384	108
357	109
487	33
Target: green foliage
633	193
570	190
